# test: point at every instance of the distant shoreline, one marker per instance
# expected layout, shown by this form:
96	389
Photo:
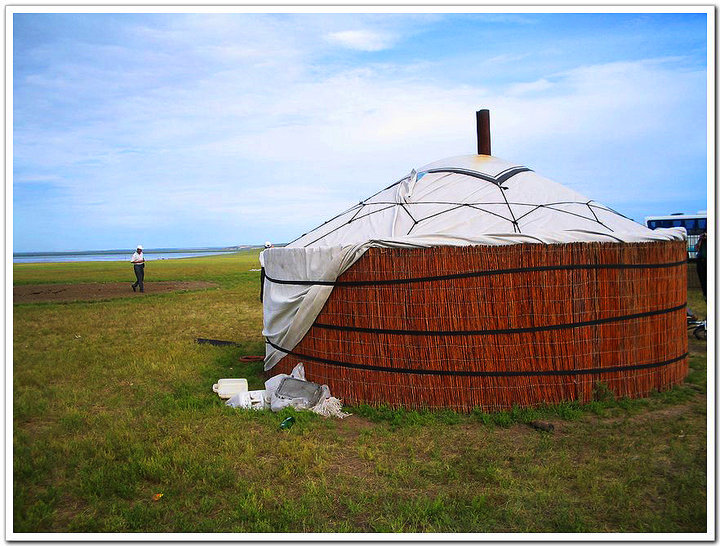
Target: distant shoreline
131	250
153	254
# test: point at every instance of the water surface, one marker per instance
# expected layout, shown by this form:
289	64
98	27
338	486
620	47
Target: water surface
114	255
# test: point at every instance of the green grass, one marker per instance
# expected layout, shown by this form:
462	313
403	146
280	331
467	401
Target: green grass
112	403
229	270
697	303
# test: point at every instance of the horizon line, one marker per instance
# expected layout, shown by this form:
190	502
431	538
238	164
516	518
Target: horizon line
124	250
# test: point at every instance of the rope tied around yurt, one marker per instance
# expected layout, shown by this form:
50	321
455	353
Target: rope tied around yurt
481	373
501	331
471	274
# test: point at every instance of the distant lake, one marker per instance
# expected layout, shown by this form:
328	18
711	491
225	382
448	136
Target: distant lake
115	255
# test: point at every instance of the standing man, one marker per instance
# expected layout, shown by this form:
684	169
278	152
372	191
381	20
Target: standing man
138	261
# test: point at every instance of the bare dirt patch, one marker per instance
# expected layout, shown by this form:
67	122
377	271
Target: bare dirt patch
697	346
37	293
659	414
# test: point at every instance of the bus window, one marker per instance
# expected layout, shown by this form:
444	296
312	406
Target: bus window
677	223
652	224
691	224
703	223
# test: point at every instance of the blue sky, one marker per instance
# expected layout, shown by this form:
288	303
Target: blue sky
178	130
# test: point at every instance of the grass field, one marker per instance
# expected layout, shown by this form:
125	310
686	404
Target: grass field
113	405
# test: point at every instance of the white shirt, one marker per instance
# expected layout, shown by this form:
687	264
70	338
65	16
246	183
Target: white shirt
137	257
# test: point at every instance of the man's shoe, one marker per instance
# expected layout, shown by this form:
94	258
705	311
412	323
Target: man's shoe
133	287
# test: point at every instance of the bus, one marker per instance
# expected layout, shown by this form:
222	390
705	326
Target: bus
694	224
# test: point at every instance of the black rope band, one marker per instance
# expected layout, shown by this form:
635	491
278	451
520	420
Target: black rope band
471	274
500	330
470	373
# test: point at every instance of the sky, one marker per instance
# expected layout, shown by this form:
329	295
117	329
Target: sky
195	130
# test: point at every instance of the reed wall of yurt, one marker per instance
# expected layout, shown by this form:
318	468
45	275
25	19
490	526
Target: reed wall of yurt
494	327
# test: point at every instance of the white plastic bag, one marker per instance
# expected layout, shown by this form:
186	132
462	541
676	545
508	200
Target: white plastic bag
298	372
272	384
327	406
256	400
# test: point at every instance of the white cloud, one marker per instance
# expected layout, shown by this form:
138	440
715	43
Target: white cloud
361	40
507	58
35	179
209	130
353	132
527	88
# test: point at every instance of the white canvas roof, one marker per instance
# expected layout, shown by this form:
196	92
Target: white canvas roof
473	195
465	200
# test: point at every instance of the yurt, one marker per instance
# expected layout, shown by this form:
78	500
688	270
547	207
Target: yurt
473	282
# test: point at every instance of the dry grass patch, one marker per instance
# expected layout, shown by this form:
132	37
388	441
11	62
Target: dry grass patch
41	293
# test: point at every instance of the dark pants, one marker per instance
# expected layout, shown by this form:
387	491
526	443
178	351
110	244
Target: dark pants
140	276
702	275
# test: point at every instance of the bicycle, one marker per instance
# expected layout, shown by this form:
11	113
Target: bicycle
698	327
